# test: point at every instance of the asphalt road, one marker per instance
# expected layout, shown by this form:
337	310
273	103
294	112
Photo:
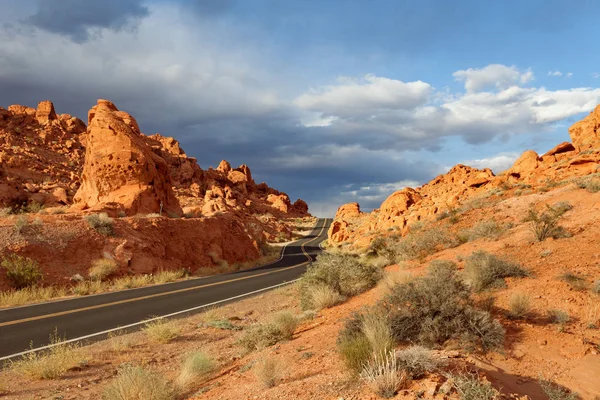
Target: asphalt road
91	318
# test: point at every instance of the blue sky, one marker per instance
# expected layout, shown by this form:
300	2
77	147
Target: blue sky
329	100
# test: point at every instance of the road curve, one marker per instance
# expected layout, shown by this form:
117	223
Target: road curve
91	318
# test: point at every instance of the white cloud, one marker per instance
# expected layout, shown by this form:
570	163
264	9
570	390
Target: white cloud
569	75
596	75
494	75
497	163
555	73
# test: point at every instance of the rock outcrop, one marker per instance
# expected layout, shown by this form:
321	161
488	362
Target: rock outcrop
463	183
121	172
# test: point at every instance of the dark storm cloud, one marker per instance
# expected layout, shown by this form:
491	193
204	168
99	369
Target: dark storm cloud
77	18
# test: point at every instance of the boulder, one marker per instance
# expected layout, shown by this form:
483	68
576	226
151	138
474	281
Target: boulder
585	134
45	112
120	168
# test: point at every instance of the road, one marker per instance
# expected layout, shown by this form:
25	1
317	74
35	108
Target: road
91	318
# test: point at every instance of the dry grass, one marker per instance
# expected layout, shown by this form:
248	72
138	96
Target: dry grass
162	330
280	327
101	223
378	331
268	371
484	270
393	278
195	365
324	297
557	392
21	271
169	276
416	361
472	388
137	383
519	306
382	375
485	229
575	281
30	295
286	322
102	269
49	365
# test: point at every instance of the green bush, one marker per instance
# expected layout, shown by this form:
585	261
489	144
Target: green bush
343	273
101	223
21	271
484	270
435	308
545	224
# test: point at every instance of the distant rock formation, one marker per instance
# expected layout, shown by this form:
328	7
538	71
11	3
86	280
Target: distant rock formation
121	172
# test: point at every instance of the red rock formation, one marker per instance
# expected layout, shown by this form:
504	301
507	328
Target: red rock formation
585	134
121	171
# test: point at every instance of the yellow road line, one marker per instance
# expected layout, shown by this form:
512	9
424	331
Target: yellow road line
45	316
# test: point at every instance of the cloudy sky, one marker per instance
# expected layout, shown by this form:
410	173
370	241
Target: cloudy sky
329	100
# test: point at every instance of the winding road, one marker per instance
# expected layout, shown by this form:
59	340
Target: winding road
92	318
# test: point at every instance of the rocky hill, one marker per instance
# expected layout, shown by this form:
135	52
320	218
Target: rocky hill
462	184
55	171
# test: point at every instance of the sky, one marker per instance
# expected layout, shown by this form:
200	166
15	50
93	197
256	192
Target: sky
332	101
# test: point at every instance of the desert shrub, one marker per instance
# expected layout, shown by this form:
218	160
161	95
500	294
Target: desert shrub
21	224
34	207
343	273
393	278
223	324
437	307
354	347
417	361
161	330
21	271
485	229
101	223
195	364
102	269
472	388
322	296
596	287
378	331
519	306
49	365
575	281
382	375
259	336
556	392
592	185
559	317
420	244
286	322
484	270
136	383
545	224
268	371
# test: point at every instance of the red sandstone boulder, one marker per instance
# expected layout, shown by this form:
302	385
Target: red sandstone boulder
585	134
120	169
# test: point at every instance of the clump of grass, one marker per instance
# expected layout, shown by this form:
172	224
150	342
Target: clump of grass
195	365
559	317
355	350
484	270
130	282
21	224
545	224
437	307
102	269
472	388
417	361
557	392
322	296
393	278
485	229
592	185
519	306
259	336
21	271
136	383
575	281
101	223
89	287
286	323
50	365
162	330
382	375
268	371
344	274
378	331
223	324
169	276
420	244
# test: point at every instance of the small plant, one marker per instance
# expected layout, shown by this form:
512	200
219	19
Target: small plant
472	388
393	278
545	225
136	383
169	276
485	270
355	351
324	297
519	306
557	392
378	331
161	330
21	271
195	365
417	361
101	223
575	281
51	365
21	224
382	375
223	324
102	269
559	317
260	336
422	243
485	229
592	185
268	371
286	323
